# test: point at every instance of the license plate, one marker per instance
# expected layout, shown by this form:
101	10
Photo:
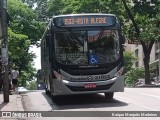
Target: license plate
90	86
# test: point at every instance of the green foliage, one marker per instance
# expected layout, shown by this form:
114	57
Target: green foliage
56	7
147	17
129	59
25	30
144	27
20	57
25	20
32	85
132	76
27	75
41	10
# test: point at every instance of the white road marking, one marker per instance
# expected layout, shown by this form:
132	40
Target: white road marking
158	97
136	103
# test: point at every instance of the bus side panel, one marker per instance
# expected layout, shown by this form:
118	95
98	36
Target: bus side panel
45	64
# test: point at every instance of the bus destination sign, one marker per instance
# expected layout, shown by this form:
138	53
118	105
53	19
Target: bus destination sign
78	21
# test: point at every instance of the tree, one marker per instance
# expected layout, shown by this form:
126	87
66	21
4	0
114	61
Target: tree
57	7
25	20
20	57
129	58
21	36
145	20
40	7
32	85
42	10
132	76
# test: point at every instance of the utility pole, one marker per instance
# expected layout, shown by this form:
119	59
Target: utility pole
4	49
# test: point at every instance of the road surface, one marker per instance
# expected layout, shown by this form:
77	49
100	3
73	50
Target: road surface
133	99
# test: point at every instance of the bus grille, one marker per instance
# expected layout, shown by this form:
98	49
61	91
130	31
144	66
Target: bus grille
88	71
78	89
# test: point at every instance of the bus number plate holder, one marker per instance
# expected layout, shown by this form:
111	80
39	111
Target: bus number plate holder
91	85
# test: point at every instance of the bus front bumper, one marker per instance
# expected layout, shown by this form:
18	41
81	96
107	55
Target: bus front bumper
64	87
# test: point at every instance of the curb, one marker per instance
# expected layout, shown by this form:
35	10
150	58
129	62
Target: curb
148	86
20	103
144	86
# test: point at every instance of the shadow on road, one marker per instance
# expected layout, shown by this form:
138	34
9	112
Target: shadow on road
82	102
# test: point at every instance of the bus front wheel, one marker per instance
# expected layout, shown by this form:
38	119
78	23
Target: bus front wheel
109	95
47	91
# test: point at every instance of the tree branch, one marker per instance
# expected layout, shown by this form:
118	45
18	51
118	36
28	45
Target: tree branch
150	46
144	46
131	17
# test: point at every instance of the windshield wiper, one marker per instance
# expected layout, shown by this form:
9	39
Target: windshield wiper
76	37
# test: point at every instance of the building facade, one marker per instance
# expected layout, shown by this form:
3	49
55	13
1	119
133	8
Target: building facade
154	63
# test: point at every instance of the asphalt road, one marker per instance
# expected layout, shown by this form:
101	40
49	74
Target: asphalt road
133	99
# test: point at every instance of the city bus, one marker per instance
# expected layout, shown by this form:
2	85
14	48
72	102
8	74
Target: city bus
83	54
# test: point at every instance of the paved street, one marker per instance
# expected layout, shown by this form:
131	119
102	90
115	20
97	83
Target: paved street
133	99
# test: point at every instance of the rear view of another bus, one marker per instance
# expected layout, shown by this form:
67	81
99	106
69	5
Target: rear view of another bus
83	54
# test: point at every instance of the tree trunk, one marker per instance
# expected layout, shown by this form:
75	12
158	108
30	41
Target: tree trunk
4	43
146	47
132	18
147	50
146	67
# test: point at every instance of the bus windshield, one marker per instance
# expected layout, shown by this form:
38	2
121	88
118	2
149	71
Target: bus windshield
87	47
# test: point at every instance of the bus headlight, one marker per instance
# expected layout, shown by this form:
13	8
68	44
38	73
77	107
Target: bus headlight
58	75
119	72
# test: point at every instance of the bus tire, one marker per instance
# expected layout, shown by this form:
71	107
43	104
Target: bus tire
47	91
55	98
109	95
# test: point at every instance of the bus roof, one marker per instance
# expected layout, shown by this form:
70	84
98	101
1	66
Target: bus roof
84	14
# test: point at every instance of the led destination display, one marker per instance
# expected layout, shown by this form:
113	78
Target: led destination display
78	21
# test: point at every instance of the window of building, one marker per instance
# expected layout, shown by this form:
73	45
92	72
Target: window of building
156	56
136	52
136	64
157	74
156	45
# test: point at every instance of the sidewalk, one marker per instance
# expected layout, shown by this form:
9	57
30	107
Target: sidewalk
14	104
